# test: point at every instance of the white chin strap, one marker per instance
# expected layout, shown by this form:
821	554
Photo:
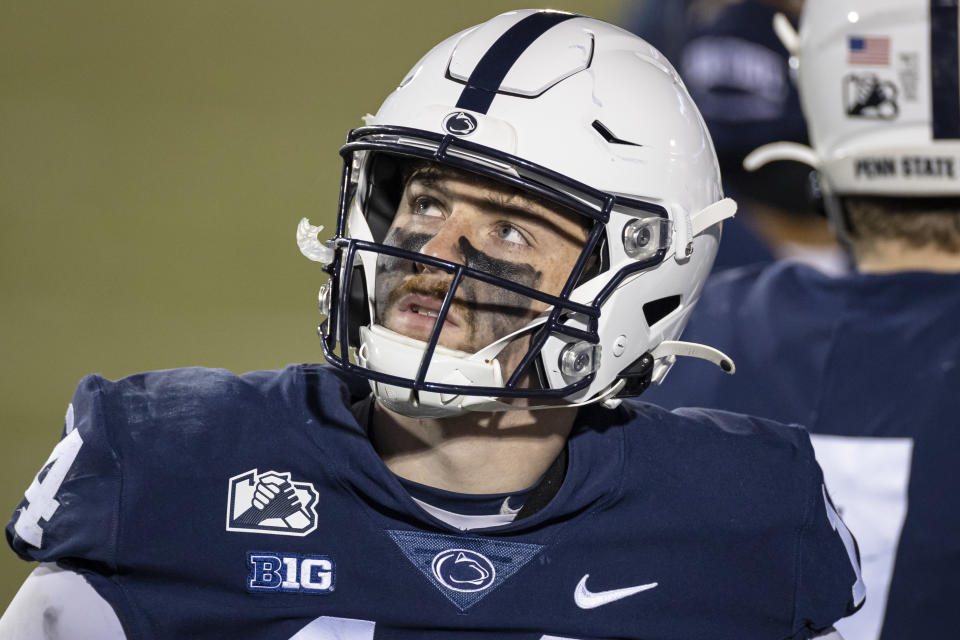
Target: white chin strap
667	352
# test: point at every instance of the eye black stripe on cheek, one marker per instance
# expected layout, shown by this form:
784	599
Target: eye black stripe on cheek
408	241
520	273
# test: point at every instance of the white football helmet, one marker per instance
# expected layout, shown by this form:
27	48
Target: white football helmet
571	111
879	88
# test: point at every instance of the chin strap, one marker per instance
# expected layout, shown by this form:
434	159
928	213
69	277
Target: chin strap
669	350
690	226
412	406
781	151
606	398
711	215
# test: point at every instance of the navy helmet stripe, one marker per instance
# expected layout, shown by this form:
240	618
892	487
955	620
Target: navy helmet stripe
944	72
483	83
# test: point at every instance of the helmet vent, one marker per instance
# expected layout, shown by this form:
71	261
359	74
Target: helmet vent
609	137
656	310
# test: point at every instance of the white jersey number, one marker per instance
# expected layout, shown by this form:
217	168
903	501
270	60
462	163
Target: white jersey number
868	480
41	495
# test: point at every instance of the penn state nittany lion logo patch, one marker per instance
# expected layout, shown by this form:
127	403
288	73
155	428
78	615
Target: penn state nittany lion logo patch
271	502
460	123
464	569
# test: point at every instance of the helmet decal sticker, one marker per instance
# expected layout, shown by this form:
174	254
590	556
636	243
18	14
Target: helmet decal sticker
873	50
870	167
909	74
460	123
867	96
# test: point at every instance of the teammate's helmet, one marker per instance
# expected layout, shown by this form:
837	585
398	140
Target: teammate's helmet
575	113
879	88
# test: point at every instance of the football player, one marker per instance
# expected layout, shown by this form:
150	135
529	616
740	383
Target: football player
524	227
867	361
739	75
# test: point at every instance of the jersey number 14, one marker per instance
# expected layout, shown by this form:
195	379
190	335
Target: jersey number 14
41	495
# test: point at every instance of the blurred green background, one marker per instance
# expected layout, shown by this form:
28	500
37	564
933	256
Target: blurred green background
155	159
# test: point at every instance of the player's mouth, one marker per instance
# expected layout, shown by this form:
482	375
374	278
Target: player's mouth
416	315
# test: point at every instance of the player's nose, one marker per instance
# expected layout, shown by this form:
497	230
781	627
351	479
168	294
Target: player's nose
446	244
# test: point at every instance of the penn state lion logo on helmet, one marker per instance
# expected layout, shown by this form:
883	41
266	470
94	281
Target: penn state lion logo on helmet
460	123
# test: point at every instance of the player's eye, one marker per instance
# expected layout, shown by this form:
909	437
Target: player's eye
509	233
424	206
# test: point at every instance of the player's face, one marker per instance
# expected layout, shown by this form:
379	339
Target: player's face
480	224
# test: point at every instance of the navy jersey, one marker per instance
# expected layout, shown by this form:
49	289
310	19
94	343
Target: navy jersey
201	504
870	364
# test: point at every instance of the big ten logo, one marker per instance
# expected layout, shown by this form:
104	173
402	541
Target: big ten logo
289	573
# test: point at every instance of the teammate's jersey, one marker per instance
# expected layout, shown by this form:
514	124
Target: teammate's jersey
202	504
871	365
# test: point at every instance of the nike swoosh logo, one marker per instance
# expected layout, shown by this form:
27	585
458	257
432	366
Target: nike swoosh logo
587	599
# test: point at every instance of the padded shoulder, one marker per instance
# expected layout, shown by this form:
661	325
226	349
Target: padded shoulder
730	470
123	438
729	436
71	507
763	432
760	478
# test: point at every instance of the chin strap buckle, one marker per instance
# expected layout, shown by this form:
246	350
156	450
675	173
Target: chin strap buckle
635	378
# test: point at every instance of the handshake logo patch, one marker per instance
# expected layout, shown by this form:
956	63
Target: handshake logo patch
271	502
